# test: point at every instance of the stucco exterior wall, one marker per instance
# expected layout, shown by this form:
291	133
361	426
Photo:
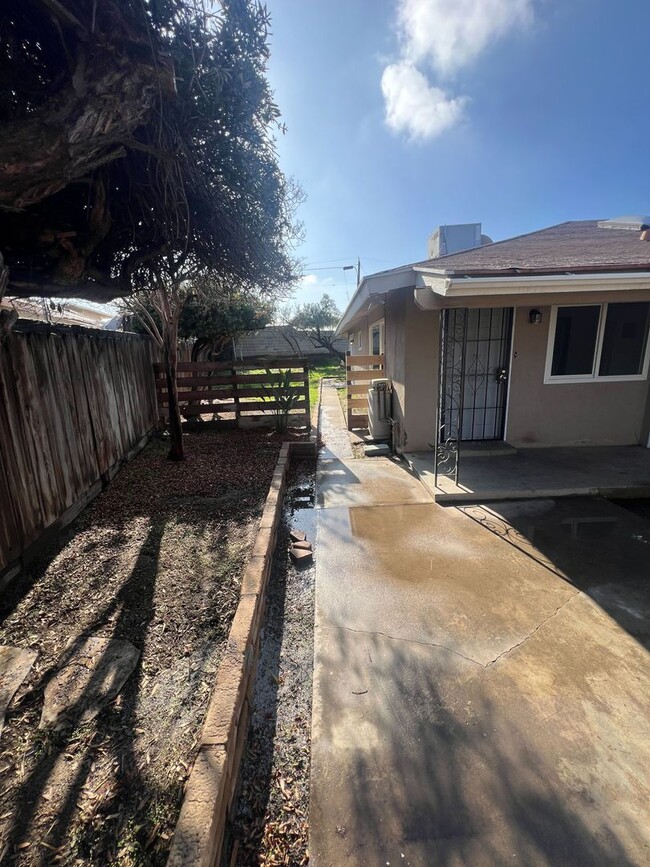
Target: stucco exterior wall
589	413
361	326
421	387
395	352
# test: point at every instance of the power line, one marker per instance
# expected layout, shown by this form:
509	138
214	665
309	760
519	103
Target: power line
327	261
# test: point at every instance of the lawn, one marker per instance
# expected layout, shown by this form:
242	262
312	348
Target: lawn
156	560
330	367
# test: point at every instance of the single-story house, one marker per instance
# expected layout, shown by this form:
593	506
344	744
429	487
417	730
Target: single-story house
538	340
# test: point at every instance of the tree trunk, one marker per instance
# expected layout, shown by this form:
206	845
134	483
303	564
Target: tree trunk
171	359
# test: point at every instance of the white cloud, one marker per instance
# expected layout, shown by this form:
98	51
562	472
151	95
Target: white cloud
444	35
309	279
415	107
451	34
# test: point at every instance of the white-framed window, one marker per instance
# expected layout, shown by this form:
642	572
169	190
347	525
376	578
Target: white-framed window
598	342
376	338
359	340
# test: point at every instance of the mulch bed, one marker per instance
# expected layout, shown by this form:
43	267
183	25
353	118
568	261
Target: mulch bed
155	560
271	826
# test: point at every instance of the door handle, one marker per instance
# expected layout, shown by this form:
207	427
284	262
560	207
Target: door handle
501	374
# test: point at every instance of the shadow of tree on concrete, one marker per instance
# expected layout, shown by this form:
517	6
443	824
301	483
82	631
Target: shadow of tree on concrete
420	765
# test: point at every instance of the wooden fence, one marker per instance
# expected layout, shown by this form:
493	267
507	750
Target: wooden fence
360	370
74	402
240	393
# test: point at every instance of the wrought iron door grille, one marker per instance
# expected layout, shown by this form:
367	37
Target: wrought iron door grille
487	353
472	387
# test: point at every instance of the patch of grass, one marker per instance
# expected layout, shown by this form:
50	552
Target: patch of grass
331	367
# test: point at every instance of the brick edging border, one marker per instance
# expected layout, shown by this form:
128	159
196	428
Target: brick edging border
212	785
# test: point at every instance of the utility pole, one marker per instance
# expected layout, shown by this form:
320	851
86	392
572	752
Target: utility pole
356	268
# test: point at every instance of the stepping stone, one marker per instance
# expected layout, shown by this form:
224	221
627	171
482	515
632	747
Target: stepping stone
377	451
302	546
90	680
297	536
300	555
15	665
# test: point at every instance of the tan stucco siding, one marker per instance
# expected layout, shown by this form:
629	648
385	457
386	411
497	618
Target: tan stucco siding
395	352
360	327
590	413
421	391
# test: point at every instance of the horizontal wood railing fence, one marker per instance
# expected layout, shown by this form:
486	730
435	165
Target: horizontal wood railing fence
242	393
360	370
74	402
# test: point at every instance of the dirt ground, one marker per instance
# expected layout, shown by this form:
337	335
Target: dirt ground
271	826
155	560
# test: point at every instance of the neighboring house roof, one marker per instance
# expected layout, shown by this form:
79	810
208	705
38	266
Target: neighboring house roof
61	311
580	247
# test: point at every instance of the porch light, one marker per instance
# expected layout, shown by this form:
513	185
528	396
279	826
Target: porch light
535	317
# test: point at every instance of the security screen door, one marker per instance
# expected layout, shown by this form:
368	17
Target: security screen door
485	375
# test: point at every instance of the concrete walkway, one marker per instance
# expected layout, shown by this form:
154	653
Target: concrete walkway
481	690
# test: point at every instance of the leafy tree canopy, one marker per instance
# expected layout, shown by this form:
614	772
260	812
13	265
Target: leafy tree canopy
137	138
215	321
317	320
316	316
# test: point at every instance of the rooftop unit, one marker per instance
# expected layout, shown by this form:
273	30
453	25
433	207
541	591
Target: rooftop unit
452	239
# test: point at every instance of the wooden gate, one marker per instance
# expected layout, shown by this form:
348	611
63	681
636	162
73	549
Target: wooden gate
360	370
240	393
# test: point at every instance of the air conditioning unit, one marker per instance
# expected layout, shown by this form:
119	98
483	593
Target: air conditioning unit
379	409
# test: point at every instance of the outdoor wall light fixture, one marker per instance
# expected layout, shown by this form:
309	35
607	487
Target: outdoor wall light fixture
535	317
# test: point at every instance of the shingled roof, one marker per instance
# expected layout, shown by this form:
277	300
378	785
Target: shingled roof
573	247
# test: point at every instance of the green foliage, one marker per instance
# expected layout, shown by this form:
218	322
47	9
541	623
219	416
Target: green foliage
317	320
180	175
316	316
212	322
221	321
332	368
285	396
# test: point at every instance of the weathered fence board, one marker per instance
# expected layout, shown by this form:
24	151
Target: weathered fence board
243	391
73	403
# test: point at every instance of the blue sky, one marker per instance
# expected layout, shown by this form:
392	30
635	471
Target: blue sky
408	114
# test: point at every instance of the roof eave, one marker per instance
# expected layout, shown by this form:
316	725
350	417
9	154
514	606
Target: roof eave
454	286
374	288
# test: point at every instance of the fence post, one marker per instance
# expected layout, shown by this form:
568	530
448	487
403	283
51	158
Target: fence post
348	406
235	396
305	373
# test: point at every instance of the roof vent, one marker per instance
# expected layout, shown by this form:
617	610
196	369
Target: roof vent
635	223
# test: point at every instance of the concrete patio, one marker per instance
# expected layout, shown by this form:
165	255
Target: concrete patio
608	471
481	688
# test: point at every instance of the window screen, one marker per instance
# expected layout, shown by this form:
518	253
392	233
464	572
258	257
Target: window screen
576	332
625	339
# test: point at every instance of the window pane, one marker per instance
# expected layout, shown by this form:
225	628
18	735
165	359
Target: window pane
624	343
576	331
376	349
